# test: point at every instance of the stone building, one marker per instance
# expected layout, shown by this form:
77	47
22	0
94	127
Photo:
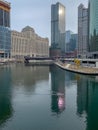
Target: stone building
82	31
28	43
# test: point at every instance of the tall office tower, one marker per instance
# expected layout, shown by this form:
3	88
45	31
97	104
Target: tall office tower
58	26
93	28
82	31
68	37
71	44
5	33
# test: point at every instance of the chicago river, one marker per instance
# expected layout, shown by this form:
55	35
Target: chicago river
47	98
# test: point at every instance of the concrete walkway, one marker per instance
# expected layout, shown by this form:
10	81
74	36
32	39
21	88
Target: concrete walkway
78	69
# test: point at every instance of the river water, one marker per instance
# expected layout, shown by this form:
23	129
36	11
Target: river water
47	98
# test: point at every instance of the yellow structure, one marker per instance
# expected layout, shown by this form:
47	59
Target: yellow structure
77	62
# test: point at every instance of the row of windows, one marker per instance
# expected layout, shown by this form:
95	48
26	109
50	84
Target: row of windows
93	41
5	39
4	18
23	46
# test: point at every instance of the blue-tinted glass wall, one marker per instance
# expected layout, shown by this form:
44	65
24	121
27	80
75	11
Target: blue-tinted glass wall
58	26
93	26
5	32
5	41
4	18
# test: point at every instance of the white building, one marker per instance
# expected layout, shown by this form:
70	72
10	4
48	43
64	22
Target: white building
28	43
82	31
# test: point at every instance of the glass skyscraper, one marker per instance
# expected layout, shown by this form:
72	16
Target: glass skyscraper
58	26
5	32
93	28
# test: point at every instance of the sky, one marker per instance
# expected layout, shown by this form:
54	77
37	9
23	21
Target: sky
37	14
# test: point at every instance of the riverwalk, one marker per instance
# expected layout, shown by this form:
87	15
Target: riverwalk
86	70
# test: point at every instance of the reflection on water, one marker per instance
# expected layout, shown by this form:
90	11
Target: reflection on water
28	76
5	95
21	77
58	89
87	101
52	92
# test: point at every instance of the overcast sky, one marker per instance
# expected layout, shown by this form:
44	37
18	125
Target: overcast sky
37	14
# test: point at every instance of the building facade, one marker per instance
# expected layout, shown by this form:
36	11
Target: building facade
58	26
5	32
93	28
68	37
28	43
82	31
71	44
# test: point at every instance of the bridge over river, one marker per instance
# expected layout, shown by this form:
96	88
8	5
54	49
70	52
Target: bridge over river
39	60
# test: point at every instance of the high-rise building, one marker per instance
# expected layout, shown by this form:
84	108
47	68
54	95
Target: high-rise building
82	31
58	26
93	28
71	44
5	33
67	37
